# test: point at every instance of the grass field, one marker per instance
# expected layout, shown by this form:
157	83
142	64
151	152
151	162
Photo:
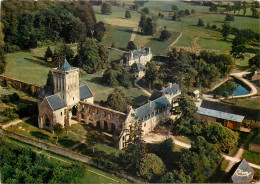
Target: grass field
252	157
92	175
101	92
214	44
119	35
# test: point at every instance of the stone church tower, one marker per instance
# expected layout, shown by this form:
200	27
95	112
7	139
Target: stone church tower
66	82
55	104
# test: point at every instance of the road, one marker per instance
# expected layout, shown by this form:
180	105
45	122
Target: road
15	122
146	92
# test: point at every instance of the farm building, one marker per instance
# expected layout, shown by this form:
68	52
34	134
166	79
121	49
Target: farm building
231	116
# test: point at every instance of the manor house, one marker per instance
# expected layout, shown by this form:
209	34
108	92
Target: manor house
139	57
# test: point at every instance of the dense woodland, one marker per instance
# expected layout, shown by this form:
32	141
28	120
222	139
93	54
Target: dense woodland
22	165
31	24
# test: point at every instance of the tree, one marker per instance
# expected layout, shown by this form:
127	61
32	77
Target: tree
187	107
223	137
49	81
226	29
113	45
187	12
58	130
2	60
106	8
130	45
193	11
125	79
166	148
136	148
244	7
237	6
48	54
254	62
146	10
243	37
94	137
88	57
142	22
110	78
150	27
152	167
200	23
151	73
201	161
99	31
213	8
118	100
127	14
175	16
174	8
229	17
61	52
175	177
165	35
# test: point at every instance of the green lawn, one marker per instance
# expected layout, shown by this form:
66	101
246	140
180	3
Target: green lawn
158	46
120	36
30	128
214	44
252	157
92	174
101	92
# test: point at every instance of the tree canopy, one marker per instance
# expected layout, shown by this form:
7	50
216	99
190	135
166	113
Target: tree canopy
118	100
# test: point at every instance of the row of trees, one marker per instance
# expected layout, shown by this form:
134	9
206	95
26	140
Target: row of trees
179	14
148	25
28	24
91	56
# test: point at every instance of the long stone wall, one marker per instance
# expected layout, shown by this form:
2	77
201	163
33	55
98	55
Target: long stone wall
32	89
64	152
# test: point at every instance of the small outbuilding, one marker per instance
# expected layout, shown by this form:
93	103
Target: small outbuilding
196	93
241	172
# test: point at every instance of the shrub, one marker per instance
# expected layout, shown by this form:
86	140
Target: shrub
165	35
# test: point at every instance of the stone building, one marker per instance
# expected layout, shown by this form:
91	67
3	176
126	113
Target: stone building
67	98
139	57
155	110
56	104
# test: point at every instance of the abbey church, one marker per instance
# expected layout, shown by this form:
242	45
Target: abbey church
56	105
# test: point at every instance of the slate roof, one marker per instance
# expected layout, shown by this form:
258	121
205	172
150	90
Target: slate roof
156	94
65	66
56	102
137	53
140	67
151	108
223	107
241	172
221	115
173	89
84	92
46	91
